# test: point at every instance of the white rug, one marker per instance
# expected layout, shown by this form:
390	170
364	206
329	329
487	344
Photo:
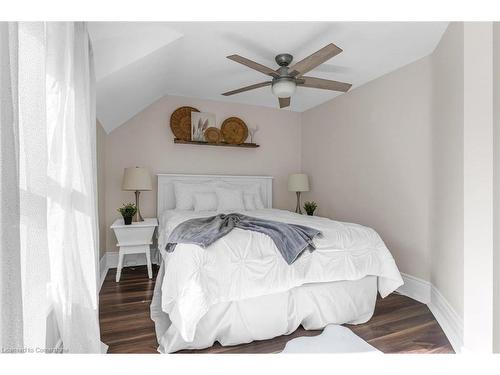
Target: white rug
333	339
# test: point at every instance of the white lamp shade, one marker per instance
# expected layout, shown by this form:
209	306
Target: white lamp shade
284	88
136	178
298	182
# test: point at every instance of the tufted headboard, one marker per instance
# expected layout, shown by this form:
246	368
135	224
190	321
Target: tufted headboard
166	194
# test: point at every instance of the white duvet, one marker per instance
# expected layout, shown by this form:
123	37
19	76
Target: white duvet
246	264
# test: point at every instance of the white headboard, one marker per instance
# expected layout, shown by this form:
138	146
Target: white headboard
166	194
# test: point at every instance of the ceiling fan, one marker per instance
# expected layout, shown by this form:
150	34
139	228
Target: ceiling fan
286	78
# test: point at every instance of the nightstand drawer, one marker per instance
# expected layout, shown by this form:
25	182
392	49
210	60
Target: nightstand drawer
134	236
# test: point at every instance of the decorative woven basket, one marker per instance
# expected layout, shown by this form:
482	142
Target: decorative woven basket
234	130
180	122
212	135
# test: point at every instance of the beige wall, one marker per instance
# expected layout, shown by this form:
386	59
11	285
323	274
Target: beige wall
146	140
101	186
447	206
478	186
368	155
410	154
392	152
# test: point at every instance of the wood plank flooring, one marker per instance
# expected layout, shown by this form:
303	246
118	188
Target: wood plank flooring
399	324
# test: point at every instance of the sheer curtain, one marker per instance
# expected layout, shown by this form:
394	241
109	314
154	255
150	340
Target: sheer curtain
11	328
56	186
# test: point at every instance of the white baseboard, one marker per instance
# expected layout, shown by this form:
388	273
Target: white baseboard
451	323
103	269
415	288
423	291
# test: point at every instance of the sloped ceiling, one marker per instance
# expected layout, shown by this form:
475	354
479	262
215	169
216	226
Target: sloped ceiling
137	63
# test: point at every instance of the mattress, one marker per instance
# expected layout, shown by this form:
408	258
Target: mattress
231	323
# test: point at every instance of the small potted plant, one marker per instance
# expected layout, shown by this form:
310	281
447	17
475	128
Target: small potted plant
310	207
128	211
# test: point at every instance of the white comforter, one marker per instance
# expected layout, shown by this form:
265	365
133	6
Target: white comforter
247	264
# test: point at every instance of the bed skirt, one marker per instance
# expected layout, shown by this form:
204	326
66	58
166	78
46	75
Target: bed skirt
313	306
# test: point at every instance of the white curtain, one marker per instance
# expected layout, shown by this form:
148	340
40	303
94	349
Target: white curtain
56	185
11	327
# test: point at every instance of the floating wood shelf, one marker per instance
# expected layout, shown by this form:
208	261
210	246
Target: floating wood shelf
244	145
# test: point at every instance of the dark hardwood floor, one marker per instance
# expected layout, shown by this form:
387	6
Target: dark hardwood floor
399	324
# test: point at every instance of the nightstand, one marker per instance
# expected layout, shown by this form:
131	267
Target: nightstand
135	238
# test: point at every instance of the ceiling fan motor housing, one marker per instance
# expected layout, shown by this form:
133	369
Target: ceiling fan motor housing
283	59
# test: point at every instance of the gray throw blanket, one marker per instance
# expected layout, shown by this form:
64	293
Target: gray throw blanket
291	240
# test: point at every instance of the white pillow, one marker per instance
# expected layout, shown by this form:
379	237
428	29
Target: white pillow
229	199
205	201
184	193
247	189
249	201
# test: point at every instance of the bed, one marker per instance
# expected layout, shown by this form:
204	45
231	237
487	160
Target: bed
240	289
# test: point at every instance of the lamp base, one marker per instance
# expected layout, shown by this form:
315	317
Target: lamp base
297	209
137	216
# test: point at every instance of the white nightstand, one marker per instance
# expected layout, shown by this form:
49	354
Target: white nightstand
135	238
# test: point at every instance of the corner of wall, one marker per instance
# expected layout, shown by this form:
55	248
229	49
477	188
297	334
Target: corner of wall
101	186
446	203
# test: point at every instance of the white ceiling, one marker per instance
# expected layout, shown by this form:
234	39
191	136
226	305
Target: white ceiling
137	63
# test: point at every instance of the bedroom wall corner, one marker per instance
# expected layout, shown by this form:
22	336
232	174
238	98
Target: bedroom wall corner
368	155
447	204
101	187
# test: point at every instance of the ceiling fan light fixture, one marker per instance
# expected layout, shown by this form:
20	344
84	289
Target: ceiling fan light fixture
284	87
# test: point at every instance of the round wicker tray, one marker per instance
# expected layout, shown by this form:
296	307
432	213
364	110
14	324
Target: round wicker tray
212	135
234	130
180	122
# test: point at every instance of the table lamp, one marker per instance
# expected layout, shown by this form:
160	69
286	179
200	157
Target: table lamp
137	179
298	183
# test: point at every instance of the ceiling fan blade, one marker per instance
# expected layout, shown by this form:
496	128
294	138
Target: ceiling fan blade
247	88
254	65
284	102
325	84
312	61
